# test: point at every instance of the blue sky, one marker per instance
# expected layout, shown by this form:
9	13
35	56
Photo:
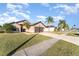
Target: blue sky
35	12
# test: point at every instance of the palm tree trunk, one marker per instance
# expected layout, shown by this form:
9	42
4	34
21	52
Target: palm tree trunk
49	28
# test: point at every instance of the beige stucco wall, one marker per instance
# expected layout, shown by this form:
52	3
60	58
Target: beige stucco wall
17	26
49	29
32	28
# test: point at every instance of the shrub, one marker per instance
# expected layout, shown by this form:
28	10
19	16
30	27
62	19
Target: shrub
8	28
1	31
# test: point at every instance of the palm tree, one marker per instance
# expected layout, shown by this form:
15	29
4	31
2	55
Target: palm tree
74	26
62	25
49	21
67	27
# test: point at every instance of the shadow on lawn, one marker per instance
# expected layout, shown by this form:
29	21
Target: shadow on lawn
12	52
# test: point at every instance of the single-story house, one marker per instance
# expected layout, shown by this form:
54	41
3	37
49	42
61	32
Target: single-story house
36	27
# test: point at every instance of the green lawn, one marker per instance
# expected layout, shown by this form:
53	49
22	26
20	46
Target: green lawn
10	41
72	34
62	48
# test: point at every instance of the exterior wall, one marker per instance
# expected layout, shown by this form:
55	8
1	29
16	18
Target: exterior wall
46	29
49	29
52	29
32	28
39	25
17	26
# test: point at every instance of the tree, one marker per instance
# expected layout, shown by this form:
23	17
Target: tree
49	21
63	25
27	24
67	27
0	27
8	27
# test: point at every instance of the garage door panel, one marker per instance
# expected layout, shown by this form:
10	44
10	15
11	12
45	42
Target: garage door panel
39	29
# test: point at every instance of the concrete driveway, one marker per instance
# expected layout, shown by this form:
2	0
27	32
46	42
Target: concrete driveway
71	39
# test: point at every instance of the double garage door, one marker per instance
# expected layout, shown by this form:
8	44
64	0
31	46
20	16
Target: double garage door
39	29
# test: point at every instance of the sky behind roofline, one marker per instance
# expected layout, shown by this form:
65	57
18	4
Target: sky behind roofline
35	12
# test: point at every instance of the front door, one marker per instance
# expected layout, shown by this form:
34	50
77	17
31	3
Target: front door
39	29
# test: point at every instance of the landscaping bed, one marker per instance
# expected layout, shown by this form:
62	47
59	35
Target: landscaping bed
62	48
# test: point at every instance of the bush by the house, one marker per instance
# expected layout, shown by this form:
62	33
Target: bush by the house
8	28
1	29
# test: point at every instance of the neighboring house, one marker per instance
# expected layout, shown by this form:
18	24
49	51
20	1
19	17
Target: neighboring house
36	27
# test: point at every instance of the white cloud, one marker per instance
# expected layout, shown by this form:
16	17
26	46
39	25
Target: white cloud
24	15
18	13
77	5
7	19
45	4
26	4
28	12
57	18
41	18
11	6
15	10
68	9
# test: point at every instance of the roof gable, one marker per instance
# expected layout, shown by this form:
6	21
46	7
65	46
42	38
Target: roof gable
20	21
38	23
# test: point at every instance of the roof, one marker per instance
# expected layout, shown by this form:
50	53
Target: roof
38	23
33	24
20	21
50	26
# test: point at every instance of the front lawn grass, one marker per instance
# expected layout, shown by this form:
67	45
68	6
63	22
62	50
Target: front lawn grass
73	34
62	48
10	41
37	39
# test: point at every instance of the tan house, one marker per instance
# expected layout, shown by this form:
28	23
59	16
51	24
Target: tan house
36	27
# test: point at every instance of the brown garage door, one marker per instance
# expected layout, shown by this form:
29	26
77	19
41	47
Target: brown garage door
39	29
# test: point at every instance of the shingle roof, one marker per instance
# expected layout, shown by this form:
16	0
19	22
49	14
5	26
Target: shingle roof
34	23
20	21
37	23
